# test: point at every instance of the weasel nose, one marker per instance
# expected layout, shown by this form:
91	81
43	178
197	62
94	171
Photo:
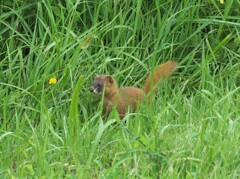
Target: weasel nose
91	89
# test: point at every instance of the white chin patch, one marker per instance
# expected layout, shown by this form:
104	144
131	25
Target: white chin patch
95	91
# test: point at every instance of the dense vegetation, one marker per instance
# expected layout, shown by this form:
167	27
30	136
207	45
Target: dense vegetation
190	130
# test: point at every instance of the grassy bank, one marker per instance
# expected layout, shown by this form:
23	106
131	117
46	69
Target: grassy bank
190	130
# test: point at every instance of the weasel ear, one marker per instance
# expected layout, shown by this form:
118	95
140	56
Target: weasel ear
109	78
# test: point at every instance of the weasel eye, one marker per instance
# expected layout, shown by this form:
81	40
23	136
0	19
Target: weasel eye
98	85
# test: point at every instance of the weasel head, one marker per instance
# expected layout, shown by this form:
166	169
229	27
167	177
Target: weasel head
103	82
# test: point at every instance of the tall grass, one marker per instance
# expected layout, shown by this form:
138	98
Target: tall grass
190	130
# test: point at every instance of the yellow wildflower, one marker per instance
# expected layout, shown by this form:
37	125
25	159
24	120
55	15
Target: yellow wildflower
52	81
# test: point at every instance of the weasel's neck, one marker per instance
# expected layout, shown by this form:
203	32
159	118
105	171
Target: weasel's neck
112	97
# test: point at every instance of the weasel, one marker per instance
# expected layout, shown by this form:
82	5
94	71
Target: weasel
126	97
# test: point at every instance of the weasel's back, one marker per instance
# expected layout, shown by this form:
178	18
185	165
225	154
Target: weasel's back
129	96
131	93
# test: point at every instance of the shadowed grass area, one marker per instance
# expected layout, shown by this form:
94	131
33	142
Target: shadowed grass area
190	130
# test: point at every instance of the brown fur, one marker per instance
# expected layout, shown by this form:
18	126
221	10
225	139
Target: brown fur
126	97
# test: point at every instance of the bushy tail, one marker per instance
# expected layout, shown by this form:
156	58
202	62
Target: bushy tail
160	72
